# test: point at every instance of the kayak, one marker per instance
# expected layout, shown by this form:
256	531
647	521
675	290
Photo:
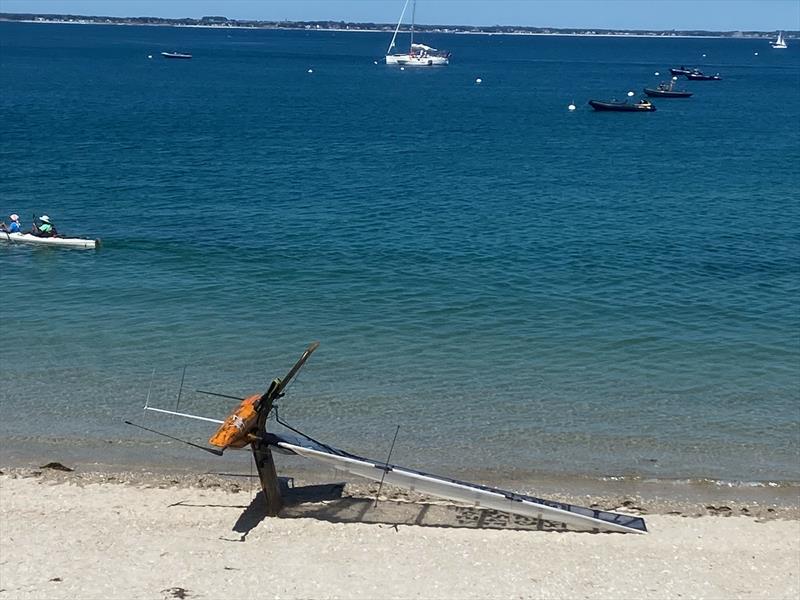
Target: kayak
27	238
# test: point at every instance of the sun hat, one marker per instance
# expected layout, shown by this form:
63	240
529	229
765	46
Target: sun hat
44	219
14	217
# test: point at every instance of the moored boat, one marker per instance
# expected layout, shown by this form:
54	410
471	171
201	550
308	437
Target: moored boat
667	90
698	76
780	43
418	55
683	70
643	105
27	238
175	55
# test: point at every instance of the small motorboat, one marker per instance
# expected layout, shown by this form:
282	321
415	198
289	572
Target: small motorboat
175	55
642	105
666	90
28	238
698	76
683	70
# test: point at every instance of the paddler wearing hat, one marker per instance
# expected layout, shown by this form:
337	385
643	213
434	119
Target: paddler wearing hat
12	227
45	228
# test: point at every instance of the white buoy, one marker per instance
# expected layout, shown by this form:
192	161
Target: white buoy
311	70
402	68
149	56
571	107
704	55
630	94
755	53
674	79
375	62
479	80
656	73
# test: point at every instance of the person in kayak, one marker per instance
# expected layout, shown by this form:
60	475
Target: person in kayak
45	228
13	227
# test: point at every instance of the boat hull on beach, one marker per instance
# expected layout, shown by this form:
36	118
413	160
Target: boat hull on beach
578	517
27	238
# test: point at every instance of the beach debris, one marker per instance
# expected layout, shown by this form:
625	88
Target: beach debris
175	592
719	510
56	579
247	426
630	505
56	466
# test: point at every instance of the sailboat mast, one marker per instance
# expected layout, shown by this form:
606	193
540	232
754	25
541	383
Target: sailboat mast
396	29
413	19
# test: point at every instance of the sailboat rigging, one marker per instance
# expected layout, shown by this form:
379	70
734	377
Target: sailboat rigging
418	55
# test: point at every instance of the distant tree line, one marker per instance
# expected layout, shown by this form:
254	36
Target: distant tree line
219	21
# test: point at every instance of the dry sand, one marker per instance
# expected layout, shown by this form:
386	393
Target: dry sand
84	536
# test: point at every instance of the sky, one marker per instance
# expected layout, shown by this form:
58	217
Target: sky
711	15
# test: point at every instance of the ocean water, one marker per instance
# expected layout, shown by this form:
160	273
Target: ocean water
521	288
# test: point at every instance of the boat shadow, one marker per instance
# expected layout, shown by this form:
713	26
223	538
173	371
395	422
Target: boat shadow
327	502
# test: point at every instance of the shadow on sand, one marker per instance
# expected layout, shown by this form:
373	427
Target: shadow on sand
327	502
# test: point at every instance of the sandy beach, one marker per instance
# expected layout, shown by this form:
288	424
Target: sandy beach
95	535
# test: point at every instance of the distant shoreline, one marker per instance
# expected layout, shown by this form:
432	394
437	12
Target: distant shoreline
335	30
342	27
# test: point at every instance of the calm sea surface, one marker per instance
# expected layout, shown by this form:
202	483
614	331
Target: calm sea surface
519	287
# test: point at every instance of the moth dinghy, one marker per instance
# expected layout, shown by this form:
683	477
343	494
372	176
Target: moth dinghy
246	425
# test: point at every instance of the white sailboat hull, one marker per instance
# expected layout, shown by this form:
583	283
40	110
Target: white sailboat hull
408	60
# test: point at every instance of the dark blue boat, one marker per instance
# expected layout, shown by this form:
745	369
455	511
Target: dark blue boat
643	105
666	90
698	76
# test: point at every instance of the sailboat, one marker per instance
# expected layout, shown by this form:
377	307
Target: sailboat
418	55
780	43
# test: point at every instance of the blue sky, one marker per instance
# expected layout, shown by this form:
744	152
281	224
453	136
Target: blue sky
764	15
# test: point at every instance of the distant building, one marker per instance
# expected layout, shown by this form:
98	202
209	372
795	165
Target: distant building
213	20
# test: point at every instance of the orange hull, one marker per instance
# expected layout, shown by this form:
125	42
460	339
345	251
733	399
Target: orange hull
234	432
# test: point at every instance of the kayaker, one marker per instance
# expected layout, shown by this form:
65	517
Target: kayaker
45	228
13	227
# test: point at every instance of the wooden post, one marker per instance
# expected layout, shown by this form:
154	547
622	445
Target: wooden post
265	465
